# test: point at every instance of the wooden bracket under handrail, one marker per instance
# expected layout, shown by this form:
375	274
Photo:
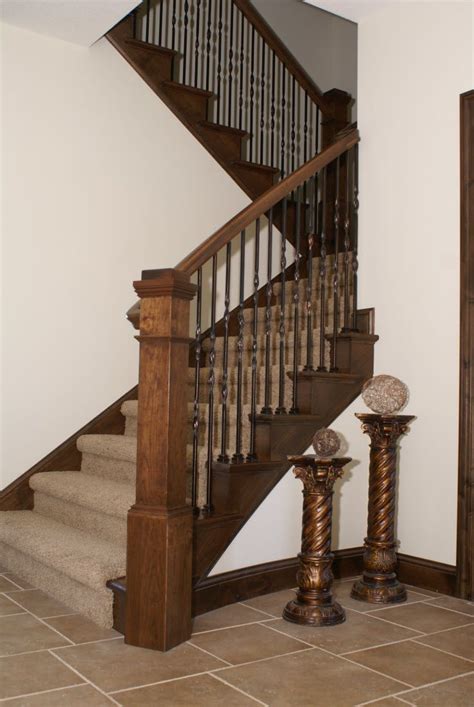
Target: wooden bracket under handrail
200	255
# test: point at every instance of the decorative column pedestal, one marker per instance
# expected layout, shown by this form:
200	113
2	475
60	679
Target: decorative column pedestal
314	605
379	583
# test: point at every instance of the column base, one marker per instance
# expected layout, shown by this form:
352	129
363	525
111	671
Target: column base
313	615
379	591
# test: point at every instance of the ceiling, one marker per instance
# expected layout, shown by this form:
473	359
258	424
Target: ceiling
78	21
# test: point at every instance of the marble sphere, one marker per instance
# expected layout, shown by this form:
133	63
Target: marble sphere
326	443
385	395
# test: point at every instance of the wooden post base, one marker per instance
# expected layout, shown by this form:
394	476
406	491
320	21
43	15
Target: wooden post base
311	615
378	589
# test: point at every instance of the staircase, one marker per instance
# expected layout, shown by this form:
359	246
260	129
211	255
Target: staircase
247	347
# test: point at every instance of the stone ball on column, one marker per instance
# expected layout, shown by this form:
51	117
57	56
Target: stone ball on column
326	443
385	395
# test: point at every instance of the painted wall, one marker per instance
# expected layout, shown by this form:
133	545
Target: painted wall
325	44
409	254
99	180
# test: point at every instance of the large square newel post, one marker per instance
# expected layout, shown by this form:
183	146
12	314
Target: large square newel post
160	524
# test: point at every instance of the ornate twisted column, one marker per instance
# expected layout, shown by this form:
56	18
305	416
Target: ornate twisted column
379	583
314	605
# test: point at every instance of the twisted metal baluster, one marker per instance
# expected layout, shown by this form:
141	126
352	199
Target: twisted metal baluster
335	275
322	277
267	408
253	415
272	112
313	205
262	102
355	233
197	386
283	122
281	409
185	40
219	62
241	70
347	245
223	456
160	28
147	22
208	43
296	301
197	43
231	64
173	26
305	128
238	457
252	93
207	510
293	123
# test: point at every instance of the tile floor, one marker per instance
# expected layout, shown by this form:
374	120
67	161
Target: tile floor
420	653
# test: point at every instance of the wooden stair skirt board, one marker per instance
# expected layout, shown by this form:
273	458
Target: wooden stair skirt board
230	587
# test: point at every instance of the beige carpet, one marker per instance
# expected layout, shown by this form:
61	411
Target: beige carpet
74	540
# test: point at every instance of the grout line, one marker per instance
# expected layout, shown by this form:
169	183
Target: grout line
431	684
84	678
384	697
16	613
38	650
394	623
224	628
261	660
41	692
242	692
379	645
15	584
160	682
209	653
441	650
60	616
44	623
260	611
445	630
31	589
306	643
445	608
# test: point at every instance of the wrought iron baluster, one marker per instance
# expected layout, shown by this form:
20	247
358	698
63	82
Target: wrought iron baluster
223	456
281	409
231	63
322	276
253	414
219	62
238	457
267	408
134	15
347	246
305	128
160	24
355	233
185	40
252	92
197	42
147	21
197	386
208	43
335	273
318	123
272	112
293	123
312	230
262	101
173	26
211	383
241	69
296	301
283	121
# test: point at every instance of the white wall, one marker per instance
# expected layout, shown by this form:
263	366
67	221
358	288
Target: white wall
414	61
99	180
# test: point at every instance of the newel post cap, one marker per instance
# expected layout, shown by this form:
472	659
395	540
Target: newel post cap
165	283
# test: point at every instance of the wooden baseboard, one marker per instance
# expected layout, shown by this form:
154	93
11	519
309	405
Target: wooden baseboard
427	574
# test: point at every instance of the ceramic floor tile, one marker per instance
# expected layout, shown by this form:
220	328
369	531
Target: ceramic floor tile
272	604
33	672
79	629
387	702
8	607
80	696
423	617
457	640
231	615
40	603
412	662
22	633
426	592
311	678
458	692
466	607
357	632
19	580
6	585
246	643
342	592
200	691
112	665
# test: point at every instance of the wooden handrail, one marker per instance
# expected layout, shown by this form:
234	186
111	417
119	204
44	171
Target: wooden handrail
200	255
283	53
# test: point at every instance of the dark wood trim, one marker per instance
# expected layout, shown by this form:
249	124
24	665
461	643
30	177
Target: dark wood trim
426	574
465	531
283	53
66	457
272	196
248	582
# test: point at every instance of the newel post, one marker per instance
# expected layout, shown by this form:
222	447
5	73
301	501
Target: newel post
160	524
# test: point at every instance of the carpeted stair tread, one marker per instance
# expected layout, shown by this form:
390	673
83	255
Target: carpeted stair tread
93	492
74	553
117	447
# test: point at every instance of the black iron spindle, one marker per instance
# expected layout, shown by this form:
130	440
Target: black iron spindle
185	40
296	301
219	62
197	386
335	270
355	232
283	121
197	42
322	277
267	408
293	123
281	409
262	101
347	246
134	14
305	128
253	412
312	230
223	456
231	63
241	69
147	21
208	42
272	112
238	457
173	26
211	383
252	92
160	24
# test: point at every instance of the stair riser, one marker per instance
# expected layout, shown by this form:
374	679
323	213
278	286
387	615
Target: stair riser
228	146
113	469
153	63
192	104
93	604
98	524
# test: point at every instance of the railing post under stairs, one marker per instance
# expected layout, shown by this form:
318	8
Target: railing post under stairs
160	524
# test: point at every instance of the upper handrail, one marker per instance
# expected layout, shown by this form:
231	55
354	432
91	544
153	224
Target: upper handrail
284	54
200	255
